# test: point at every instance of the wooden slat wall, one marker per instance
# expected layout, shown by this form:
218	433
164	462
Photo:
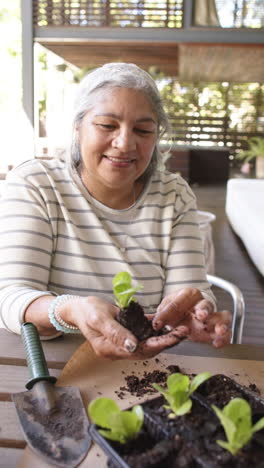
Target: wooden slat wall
189	130
95	53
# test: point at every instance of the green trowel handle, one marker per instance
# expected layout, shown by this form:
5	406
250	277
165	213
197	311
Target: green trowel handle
36	361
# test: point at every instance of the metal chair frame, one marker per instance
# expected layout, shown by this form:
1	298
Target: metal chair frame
239	306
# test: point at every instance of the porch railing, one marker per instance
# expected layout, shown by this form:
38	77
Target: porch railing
111	13
141	13
209	131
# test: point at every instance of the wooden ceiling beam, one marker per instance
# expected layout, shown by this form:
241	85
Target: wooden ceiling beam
163	56
191	62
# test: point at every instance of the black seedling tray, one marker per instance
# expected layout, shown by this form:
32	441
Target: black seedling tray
196	432
107	447
221	383
137	457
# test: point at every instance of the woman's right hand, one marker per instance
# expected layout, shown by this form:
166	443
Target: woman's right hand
96	319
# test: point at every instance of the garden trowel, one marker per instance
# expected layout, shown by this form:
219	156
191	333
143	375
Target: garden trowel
53	419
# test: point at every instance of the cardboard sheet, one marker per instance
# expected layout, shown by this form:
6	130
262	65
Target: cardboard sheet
96	376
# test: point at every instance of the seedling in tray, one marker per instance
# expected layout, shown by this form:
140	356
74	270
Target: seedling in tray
236	419
190	440
179	390
117	425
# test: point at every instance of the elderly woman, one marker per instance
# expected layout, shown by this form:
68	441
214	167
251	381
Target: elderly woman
67	227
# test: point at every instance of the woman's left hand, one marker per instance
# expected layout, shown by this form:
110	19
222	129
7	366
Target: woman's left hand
188	308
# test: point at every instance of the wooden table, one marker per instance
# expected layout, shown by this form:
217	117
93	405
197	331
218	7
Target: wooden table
14	375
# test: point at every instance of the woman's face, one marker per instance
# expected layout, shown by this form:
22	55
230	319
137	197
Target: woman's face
117	138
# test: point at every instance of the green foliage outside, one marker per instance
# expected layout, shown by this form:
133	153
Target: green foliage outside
212	98
237	106
255	149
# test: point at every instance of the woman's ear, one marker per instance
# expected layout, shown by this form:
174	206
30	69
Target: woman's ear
76	133
77	127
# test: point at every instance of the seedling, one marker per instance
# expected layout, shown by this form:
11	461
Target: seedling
117	425
236	419
179	390
131	314
123	289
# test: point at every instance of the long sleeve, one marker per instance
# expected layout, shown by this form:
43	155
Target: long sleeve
56	239
26	244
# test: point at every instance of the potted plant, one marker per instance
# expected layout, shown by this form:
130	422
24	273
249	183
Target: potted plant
131	314
255	150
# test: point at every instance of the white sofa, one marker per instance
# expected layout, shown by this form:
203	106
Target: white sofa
245	212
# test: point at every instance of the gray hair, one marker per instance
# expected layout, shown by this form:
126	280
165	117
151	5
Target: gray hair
109	76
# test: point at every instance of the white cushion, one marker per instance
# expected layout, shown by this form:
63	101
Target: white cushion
245	211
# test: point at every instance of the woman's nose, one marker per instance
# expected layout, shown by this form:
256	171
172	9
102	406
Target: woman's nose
125	140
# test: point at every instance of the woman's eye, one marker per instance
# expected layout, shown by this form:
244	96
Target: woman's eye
143	131
106	126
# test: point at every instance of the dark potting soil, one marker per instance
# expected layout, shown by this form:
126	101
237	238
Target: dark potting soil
199	431
189	441
141	386
133	318
220	389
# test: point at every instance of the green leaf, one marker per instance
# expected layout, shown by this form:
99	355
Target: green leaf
123	289
255	149
100	409
236	420
138	410
184	408
111	435
258	426
198	380
179	390
131	423
117	425
122	277
239	411
178	383
227	446
228	425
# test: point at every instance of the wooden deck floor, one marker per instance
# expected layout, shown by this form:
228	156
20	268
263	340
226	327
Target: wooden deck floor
233	263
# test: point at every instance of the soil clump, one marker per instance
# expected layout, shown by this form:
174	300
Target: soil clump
133	318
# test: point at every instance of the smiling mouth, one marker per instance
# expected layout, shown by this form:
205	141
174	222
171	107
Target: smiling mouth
118	160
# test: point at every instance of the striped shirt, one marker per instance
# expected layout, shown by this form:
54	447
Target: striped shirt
55	238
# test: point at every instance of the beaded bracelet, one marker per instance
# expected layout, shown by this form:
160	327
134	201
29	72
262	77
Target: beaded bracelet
55	318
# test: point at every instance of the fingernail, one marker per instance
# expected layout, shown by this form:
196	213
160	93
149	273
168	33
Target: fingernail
130	346
166	329
221	329
201	314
